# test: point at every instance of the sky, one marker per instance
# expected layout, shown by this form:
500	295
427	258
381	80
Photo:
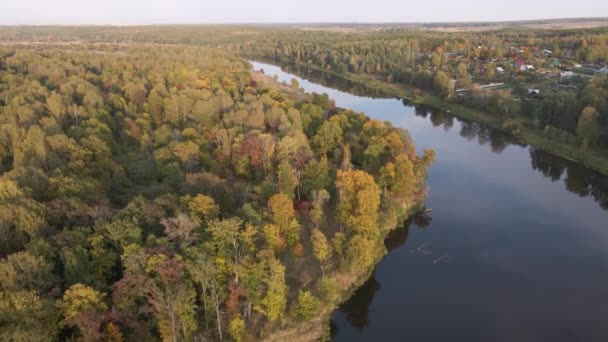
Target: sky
134	12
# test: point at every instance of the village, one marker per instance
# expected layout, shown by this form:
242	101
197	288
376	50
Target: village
532	67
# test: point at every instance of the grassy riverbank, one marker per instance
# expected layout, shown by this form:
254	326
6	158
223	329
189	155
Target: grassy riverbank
594	159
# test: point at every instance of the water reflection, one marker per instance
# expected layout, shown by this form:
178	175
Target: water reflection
357	309
578	179
328	80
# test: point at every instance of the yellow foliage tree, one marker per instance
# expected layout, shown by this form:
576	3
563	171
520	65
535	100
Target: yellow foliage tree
359	201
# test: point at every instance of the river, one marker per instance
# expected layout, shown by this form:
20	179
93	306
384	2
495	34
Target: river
524	234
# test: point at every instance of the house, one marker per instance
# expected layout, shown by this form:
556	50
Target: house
547	52
533	92
577	66
500	69
566	74
526	67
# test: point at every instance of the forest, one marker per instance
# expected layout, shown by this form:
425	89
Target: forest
547	86
164	192
571	108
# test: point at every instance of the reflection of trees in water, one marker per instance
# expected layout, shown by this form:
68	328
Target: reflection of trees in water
499	140
421	111
398	237
356	308
331	81
547	164
423	221
469	130
578	179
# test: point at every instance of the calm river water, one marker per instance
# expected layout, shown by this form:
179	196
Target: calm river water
524	234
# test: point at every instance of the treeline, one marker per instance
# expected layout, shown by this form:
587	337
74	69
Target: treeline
424	59
161	192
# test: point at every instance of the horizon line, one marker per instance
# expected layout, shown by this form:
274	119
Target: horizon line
337	22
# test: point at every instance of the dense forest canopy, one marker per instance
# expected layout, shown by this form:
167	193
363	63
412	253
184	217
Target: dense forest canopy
164	192
565	69
153	187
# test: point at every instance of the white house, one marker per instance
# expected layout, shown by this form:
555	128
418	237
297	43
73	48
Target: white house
527	67
500	69
566	74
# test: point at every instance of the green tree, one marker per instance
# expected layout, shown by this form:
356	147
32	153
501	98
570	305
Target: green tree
588	129
295	84
308	306
275	300
320	247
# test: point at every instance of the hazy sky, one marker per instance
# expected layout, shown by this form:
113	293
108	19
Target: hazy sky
263	11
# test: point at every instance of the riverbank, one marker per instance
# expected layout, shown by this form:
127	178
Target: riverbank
317	329
592	159
348	280
474	192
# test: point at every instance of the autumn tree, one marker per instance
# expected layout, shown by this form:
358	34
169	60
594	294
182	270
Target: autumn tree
275	300
284	217
83	307
320	247
359	201
307	306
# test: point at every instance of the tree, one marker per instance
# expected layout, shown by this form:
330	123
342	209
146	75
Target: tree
229	242
441	83
24	271
275	300
588	129
21	218
203	207
180	229
287	179
308	306
359	201
319	198
399	176
284	217
188	153
330	135
82	307
315	176
205	276
320	247
294	83
237	328
171	296
491	73
272	234
25	316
